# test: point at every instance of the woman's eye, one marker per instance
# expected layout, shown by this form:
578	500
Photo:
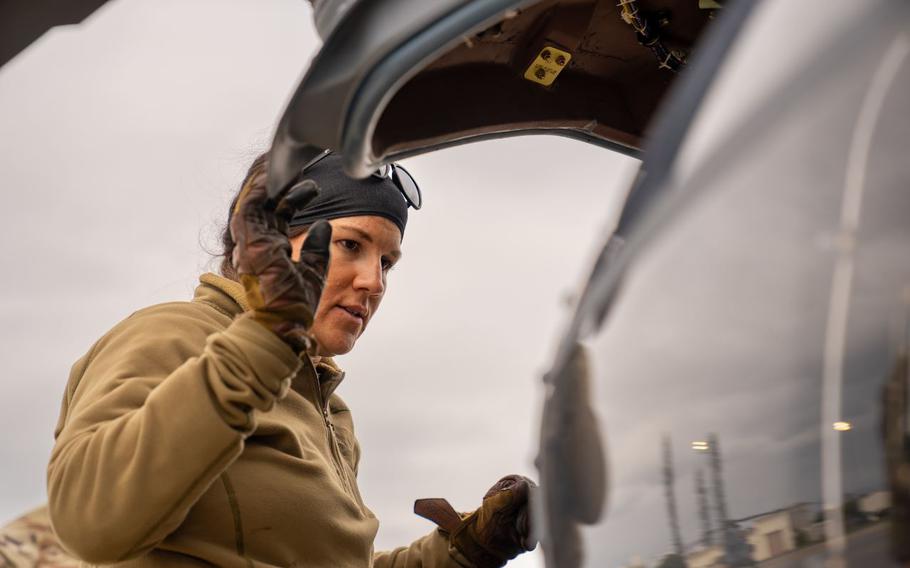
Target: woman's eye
349	244
387	264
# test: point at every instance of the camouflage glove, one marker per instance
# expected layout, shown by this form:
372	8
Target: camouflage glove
495	533
282	294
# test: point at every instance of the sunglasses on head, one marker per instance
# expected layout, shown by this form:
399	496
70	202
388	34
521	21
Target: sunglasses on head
399	176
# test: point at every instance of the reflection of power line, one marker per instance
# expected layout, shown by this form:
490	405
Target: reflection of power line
671	497
704	513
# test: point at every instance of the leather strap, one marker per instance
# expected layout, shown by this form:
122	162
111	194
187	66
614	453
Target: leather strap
440	511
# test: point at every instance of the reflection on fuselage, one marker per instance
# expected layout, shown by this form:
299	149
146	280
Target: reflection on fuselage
718	340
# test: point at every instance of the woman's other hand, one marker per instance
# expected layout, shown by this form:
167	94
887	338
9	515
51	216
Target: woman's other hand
282	294
495	533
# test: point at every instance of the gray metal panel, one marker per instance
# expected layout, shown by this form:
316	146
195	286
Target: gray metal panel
317	110
572	133
24	21
721	320
399	65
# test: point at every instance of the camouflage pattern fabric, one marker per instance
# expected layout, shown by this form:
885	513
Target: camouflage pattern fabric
29	541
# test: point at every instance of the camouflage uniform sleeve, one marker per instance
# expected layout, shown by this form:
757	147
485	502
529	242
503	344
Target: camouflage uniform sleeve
30	541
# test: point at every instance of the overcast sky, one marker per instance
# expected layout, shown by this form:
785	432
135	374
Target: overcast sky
122	142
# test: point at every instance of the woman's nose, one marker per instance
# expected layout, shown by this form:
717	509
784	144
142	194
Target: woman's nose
370	278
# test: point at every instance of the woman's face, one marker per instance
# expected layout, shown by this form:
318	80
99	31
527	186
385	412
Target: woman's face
363	250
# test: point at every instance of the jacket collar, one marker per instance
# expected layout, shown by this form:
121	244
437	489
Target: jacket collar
229	298
329	377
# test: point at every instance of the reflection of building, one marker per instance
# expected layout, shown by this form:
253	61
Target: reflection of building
875	505
705	557
777	532
635	562
743	543
768	534
772	534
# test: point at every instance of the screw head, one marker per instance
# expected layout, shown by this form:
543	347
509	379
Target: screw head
540	73
560	60
545	55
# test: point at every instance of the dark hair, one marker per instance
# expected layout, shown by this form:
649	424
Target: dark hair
227	240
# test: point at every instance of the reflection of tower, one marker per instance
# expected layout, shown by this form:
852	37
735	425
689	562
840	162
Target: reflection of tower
737	550
704	513
671	497
717	481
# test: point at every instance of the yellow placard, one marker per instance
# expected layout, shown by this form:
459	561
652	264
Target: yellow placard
547	65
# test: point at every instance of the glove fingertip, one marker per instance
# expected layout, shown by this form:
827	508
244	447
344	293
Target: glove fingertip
302	193
318	237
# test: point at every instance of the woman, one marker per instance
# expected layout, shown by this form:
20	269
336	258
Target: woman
208	432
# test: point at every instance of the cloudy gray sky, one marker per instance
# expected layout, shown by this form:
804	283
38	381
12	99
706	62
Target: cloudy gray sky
122	142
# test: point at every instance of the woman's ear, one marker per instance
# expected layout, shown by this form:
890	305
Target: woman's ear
296	236
297	242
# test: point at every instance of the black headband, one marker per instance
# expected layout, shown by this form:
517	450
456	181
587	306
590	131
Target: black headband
341	196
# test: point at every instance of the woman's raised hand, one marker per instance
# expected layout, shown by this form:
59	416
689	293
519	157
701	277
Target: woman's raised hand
282	294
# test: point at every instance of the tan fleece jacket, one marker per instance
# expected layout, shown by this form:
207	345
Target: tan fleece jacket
175	447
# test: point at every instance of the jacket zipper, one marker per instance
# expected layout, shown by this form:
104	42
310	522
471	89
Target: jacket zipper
337	460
